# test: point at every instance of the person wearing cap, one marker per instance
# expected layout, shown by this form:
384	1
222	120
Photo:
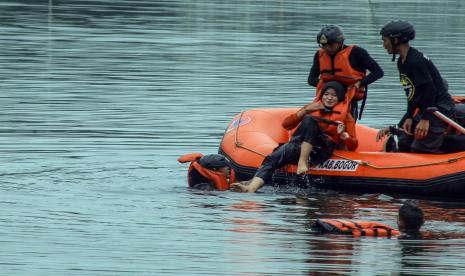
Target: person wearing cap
322	126
424	87
348	64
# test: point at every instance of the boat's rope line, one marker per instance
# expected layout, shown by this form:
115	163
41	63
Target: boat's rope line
239	144
366	163
363	163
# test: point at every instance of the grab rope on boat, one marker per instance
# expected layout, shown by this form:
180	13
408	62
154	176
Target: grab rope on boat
366	163
239	144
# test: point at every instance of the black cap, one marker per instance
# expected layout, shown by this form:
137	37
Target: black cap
214	161
402	30
330	34
338	87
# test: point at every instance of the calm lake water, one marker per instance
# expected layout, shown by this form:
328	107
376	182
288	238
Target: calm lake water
100	97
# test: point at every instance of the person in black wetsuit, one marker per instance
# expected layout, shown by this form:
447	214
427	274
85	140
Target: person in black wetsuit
348	64
424	88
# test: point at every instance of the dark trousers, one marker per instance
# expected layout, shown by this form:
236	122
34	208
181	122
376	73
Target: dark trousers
289	153
430	144
453	143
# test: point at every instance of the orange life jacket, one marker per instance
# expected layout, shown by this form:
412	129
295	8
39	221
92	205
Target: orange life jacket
356	228
219	179
338	113
340	70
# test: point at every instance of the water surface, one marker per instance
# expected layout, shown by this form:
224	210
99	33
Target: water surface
100	98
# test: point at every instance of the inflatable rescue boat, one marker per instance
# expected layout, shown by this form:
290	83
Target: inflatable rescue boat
253	134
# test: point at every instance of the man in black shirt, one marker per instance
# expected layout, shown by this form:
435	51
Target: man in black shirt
348	64
424	88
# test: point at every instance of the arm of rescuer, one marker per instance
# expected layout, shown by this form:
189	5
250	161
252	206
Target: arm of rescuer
314	75
348	135
361	61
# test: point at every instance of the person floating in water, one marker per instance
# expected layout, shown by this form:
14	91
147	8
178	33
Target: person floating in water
409	221
208	172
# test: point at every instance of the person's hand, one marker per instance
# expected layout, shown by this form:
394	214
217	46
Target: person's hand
313	107
407	126
308	108
341	130
340	127
382	133
358	86
344	136
421	130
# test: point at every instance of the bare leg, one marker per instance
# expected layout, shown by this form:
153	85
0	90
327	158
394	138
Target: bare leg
255	184
302	165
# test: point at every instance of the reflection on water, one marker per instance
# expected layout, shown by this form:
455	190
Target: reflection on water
100	97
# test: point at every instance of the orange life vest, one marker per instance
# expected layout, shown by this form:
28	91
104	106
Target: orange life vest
356	228
338	113
339	70
219	179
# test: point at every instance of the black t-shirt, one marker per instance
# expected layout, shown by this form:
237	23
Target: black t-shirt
359	59
423	84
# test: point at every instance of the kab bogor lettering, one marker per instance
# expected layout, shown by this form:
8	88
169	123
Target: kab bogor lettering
338	165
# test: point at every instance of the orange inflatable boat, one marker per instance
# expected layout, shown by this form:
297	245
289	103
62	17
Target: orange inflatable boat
253	134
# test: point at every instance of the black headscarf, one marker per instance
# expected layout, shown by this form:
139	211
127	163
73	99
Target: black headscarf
338	87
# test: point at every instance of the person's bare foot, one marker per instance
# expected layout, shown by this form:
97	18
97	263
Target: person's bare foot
302	167
239	187
248	186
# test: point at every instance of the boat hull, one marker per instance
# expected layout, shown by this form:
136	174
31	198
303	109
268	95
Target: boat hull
253	134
